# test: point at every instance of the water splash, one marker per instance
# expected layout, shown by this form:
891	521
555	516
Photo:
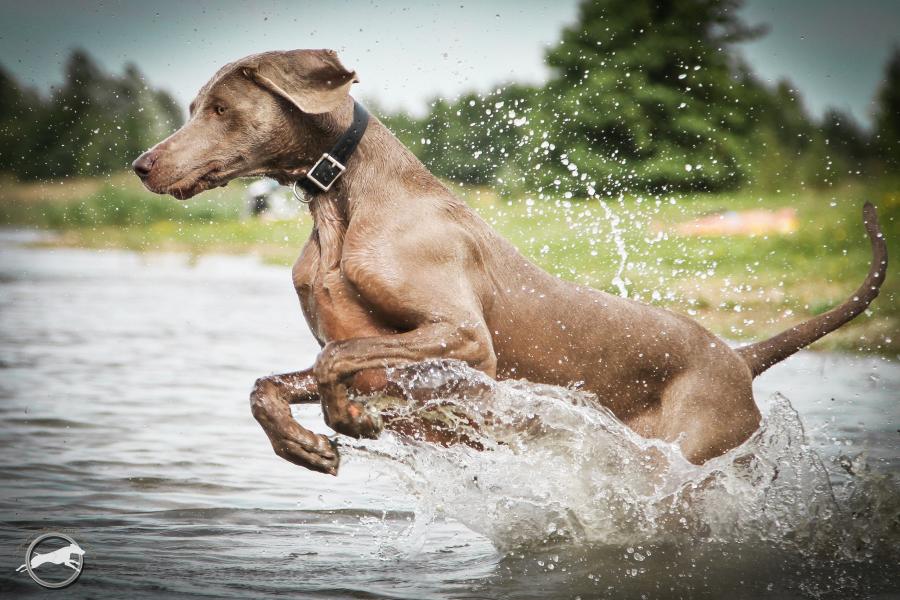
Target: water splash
621	250
559	467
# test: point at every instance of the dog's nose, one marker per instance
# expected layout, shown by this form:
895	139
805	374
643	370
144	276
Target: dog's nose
144	164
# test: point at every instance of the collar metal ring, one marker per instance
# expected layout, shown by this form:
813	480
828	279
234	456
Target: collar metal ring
302	198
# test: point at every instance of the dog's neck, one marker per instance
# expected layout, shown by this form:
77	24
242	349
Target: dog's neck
376	171
379	165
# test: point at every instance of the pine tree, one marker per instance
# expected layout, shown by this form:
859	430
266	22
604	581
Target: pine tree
644	97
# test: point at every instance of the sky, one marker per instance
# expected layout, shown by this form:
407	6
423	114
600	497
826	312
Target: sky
407	53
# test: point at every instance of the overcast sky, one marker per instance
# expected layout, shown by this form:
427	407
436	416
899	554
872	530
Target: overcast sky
408	52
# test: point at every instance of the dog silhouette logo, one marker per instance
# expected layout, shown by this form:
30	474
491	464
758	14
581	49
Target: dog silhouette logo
70	556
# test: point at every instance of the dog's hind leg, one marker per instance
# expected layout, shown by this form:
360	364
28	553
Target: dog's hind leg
710	413
270	402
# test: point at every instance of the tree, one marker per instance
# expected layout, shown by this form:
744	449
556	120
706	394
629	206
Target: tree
887	115
76	128
847	143
643	97
21	110
147	115
472	138
94	124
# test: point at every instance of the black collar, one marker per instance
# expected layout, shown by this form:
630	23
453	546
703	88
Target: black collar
333	163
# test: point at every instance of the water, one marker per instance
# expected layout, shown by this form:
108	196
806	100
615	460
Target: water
126	424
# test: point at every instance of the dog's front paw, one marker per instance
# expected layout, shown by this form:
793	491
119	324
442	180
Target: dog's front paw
315	452
349	417
364	421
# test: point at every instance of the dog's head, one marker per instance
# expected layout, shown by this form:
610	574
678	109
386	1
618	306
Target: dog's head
260	115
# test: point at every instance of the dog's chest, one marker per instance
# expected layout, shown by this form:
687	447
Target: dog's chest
332	306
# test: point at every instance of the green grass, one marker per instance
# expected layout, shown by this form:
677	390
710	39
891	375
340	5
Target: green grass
120	213
740	287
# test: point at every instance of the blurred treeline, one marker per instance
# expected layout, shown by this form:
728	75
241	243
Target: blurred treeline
95	123
650	96
644	96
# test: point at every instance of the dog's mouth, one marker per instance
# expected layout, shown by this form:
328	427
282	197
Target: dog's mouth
210	175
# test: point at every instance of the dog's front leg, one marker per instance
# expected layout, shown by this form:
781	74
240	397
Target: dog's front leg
271	401
367	358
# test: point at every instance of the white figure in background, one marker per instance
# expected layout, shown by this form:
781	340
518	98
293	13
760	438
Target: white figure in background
266	199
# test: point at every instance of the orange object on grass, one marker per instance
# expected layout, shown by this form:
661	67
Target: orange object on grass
745	222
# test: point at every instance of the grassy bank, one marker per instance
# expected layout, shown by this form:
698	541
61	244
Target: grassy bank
740	287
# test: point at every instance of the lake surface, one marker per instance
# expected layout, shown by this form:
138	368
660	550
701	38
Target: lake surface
125	423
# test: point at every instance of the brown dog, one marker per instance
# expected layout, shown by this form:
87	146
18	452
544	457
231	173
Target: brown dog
397	270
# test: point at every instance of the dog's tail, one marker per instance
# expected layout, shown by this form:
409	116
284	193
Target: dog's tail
762	355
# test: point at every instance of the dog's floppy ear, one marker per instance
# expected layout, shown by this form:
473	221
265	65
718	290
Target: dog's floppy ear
314	81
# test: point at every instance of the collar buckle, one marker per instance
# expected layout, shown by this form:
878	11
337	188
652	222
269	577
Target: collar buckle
325	172
332	164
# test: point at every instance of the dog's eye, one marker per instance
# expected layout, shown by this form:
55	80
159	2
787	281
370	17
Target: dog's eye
220	110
